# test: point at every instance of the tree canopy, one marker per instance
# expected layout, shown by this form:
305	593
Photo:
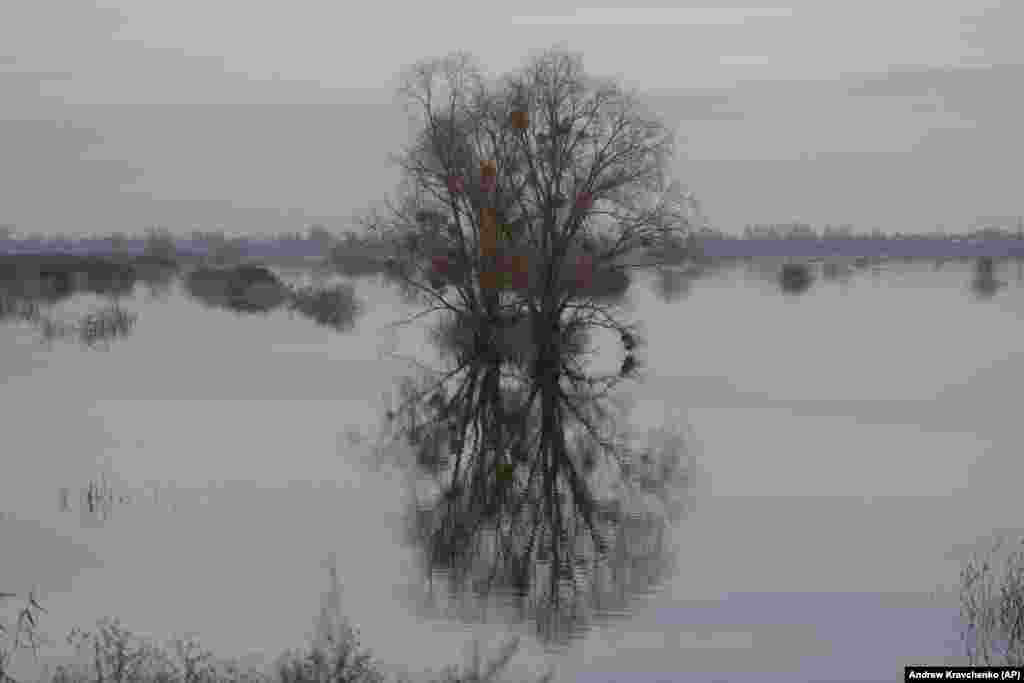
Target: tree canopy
557	163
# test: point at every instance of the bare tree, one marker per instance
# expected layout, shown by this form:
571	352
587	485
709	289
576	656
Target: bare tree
582	138
519	201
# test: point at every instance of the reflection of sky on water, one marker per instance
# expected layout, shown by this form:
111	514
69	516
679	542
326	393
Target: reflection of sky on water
810	475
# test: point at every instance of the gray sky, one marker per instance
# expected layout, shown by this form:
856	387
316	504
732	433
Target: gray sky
264	116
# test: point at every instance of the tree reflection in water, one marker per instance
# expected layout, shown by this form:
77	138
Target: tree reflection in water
558	517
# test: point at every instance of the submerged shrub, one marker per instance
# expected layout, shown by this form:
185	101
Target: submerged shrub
795	278
336	307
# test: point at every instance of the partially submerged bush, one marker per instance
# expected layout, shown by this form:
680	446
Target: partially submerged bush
247	287
336	307
100	326
795	278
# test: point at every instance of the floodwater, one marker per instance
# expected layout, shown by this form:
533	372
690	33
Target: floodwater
854	444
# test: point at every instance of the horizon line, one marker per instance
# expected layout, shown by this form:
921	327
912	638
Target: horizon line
853	247
713	246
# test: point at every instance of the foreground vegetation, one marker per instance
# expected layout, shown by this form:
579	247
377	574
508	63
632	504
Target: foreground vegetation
110	653
992	606
991	597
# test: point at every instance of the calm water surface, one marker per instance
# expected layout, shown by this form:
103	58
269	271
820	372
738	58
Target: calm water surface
854	445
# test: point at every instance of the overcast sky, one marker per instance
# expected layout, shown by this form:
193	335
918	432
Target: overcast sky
264	116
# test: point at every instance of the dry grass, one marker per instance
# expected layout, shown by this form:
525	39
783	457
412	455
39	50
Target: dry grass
23	635
112	654
992	605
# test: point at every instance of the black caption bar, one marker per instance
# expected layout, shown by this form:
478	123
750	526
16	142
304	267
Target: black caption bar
963	673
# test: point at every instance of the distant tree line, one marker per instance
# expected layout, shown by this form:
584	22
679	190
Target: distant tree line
162	242
847	231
